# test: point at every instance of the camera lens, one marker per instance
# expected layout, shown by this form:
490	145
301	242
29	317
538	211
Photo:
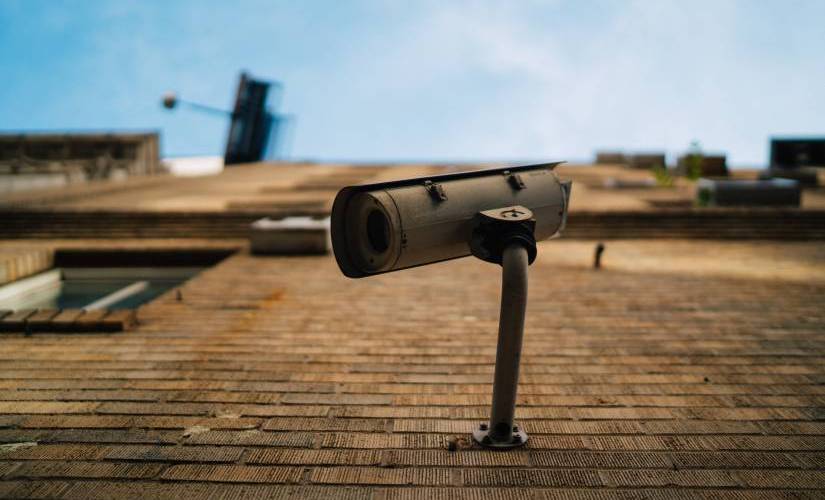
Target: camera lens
378	231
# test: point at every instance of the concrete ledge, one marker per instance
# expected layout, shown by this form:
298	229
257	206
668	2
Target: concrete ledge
290	236
701	223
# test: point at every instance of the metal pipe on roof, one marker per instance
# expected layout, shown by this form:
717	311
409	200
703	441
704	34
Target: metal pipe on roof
501	432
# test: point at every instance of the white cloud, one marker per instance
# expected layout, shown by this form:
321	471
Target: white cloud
655	75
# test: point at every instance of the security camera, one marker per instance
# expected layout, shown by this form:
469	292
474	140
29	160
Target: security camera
496	215
389	226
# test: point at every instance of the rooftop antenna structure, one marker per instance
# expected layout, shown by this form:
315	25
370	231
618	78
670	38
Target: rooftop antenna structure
256	132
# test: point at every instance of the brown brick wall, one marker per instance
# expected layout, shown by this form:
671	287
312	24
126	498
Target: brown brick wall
277	377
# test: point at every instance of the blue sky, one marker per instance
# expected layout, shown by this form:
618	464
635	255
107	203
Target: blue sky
407	80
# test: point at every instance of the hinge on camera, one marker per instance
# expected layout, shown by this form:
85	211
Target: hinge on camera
515	180
436	191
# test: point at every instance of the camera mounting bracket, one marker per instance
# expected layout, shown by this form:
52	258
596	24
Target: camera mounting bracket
494	229
505	236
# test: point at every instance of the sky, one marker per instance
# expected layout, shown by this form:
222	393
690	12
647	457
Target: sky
427	80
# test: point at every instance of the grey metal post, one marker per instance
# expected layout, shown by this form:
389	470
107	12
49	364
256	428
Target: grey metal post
501	432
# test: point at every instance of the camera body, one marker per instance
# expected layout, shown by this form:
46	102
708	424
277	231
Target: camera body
389	226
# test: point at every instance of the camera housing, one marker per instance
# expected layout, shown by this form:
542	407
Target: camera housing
389	226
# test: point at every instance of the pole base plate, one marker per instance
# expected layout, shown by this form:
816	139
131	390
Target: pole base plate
483	436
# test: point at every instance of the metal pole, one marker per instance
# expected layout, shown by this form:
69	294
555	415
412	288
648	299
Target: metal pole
206	108
501	432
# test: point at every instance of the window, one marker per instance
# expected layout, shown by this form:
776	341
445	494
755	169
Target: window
91	280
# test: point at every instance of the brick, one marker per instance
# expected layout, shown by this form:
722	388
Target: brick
54	452
810	460
462	458
48	407
61	383
156	408
65	320
441	400
314	457
76	421
41	320
116	321
432	425
90	320
733	460
699	427
599	460
253	438
87	470
580	427
225	397
172	453
376	475
466	493
625	413
106	395
698	443
662	478
336	399
233	473
325	424
557	443
793	428
375	441
285	411
16	321
783	479
394	412
108	490
530	477
184	422
14	437
37	489
135	436
9	421
749	413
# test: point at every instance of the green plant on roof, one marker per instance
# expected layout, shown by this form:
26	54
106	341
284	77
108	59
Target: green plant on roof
694	160
662	176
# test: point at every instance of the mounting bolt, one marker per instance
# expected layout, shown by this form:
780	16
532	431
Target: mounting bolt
488	439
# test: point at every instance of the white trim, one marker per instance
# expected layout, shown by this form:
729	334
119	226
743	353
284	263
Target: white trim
19	291
116	296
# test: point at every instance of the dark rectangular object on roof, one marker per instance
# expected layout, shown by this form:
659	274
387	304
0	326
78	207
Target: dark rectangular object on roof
709	165
610	157
647	160
251	122
798	152
774	192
